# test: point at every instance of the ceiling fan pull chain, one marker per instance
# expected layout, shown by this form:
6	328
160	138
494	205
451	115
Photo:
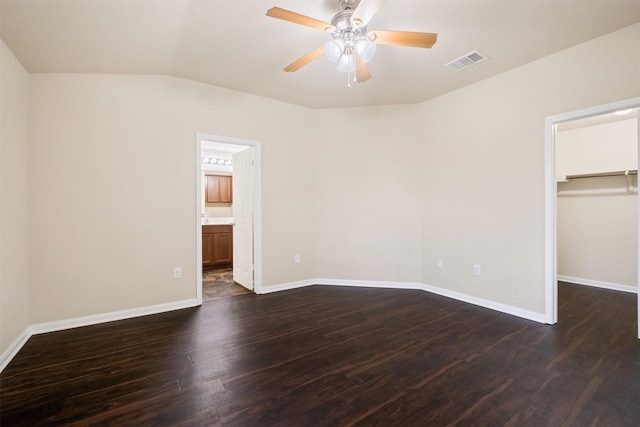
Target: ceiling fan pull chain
355	69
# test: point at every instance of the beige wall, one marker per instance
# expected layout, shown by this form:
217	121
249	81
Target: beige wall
483	162
14	276
367	194
379	194
99	143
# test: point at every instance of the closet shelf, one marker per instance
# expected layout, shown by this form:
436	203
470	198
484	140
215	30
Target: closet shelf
627	173
601	174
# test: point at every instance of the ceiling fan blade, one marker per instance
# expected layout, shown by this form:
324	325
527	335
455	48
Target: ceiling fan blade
296	18
365	10
304	60
362	70
405	38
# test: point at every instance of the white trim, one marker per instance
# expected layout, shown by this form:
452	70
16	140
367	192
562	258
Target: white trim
198	218
41	328
492	305
286	286
598	284
550	200
369	284
257	207
162	308
550	221
14	348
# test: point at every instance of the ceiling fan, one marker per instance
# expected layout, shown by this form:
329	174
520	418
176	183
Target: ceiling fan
350	45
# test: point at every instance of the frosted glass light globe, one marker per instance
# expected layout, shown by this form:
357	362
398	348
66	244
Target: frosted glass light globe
333	49
346	64
365	50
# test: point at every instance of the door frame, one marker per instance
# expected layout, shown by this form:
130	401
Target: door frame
551	189
257	207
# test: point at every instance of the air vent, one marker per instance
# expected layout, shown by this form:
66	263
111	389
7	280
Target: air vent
466	61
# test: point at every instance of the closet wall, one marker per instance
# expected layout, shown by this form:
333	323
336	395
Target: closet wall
598	215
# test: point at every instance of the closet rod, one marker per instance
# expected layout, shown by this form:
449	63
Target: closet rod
596	175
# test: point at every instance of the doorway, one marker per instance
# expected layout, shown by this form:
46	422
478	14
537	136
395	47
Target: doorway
228	225
551	188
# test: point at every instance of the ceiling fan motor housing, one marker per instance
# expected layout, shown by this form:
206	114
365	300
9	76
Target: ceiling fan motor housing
342	22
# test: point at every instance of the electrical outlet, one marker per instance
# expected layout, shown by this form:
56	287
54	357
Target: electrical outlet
296	259
476	269
440	263
177	272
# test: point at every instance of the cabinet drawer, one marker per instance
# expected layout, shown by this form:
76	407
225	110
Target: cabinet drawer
217	228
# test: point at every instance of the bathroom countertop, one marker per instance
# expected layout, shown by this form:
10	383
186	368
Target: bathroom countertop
217	221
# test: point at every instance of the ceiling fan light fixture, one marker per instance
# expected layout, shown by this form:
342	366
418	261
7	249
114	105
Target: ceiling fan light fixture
333	49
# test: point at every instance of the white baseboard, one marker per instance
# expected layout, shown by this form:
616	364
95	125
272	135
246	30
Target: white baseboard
285	286
503	308
369	284
492	305
598	284
14	348
41	328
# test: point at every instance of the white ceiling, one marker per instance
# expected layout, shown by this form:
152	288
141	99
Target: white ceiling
234	45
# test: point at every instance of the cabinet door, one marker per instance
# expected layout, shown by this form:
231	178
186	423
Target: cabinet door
218	189
208	252
225	189
217	246
223	248
212	187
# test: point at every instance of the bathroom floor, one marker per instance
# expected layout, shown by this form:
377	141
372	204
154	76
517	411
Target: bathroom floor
218	283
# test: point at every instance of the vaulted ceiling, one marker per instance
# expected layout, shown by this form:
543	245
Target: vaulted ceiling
233	44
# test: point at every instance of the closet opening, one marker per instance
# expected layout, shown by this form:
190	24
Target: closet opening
592	208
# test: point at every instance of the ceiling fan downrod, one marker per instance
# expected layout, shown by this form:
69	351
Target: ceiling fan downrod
347	4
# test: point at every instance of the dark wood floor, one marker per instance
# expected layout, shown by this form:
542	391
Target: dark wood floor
337	356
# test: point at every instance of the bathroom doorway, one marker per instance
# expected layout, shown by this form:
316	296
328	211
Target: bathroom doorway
228	217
